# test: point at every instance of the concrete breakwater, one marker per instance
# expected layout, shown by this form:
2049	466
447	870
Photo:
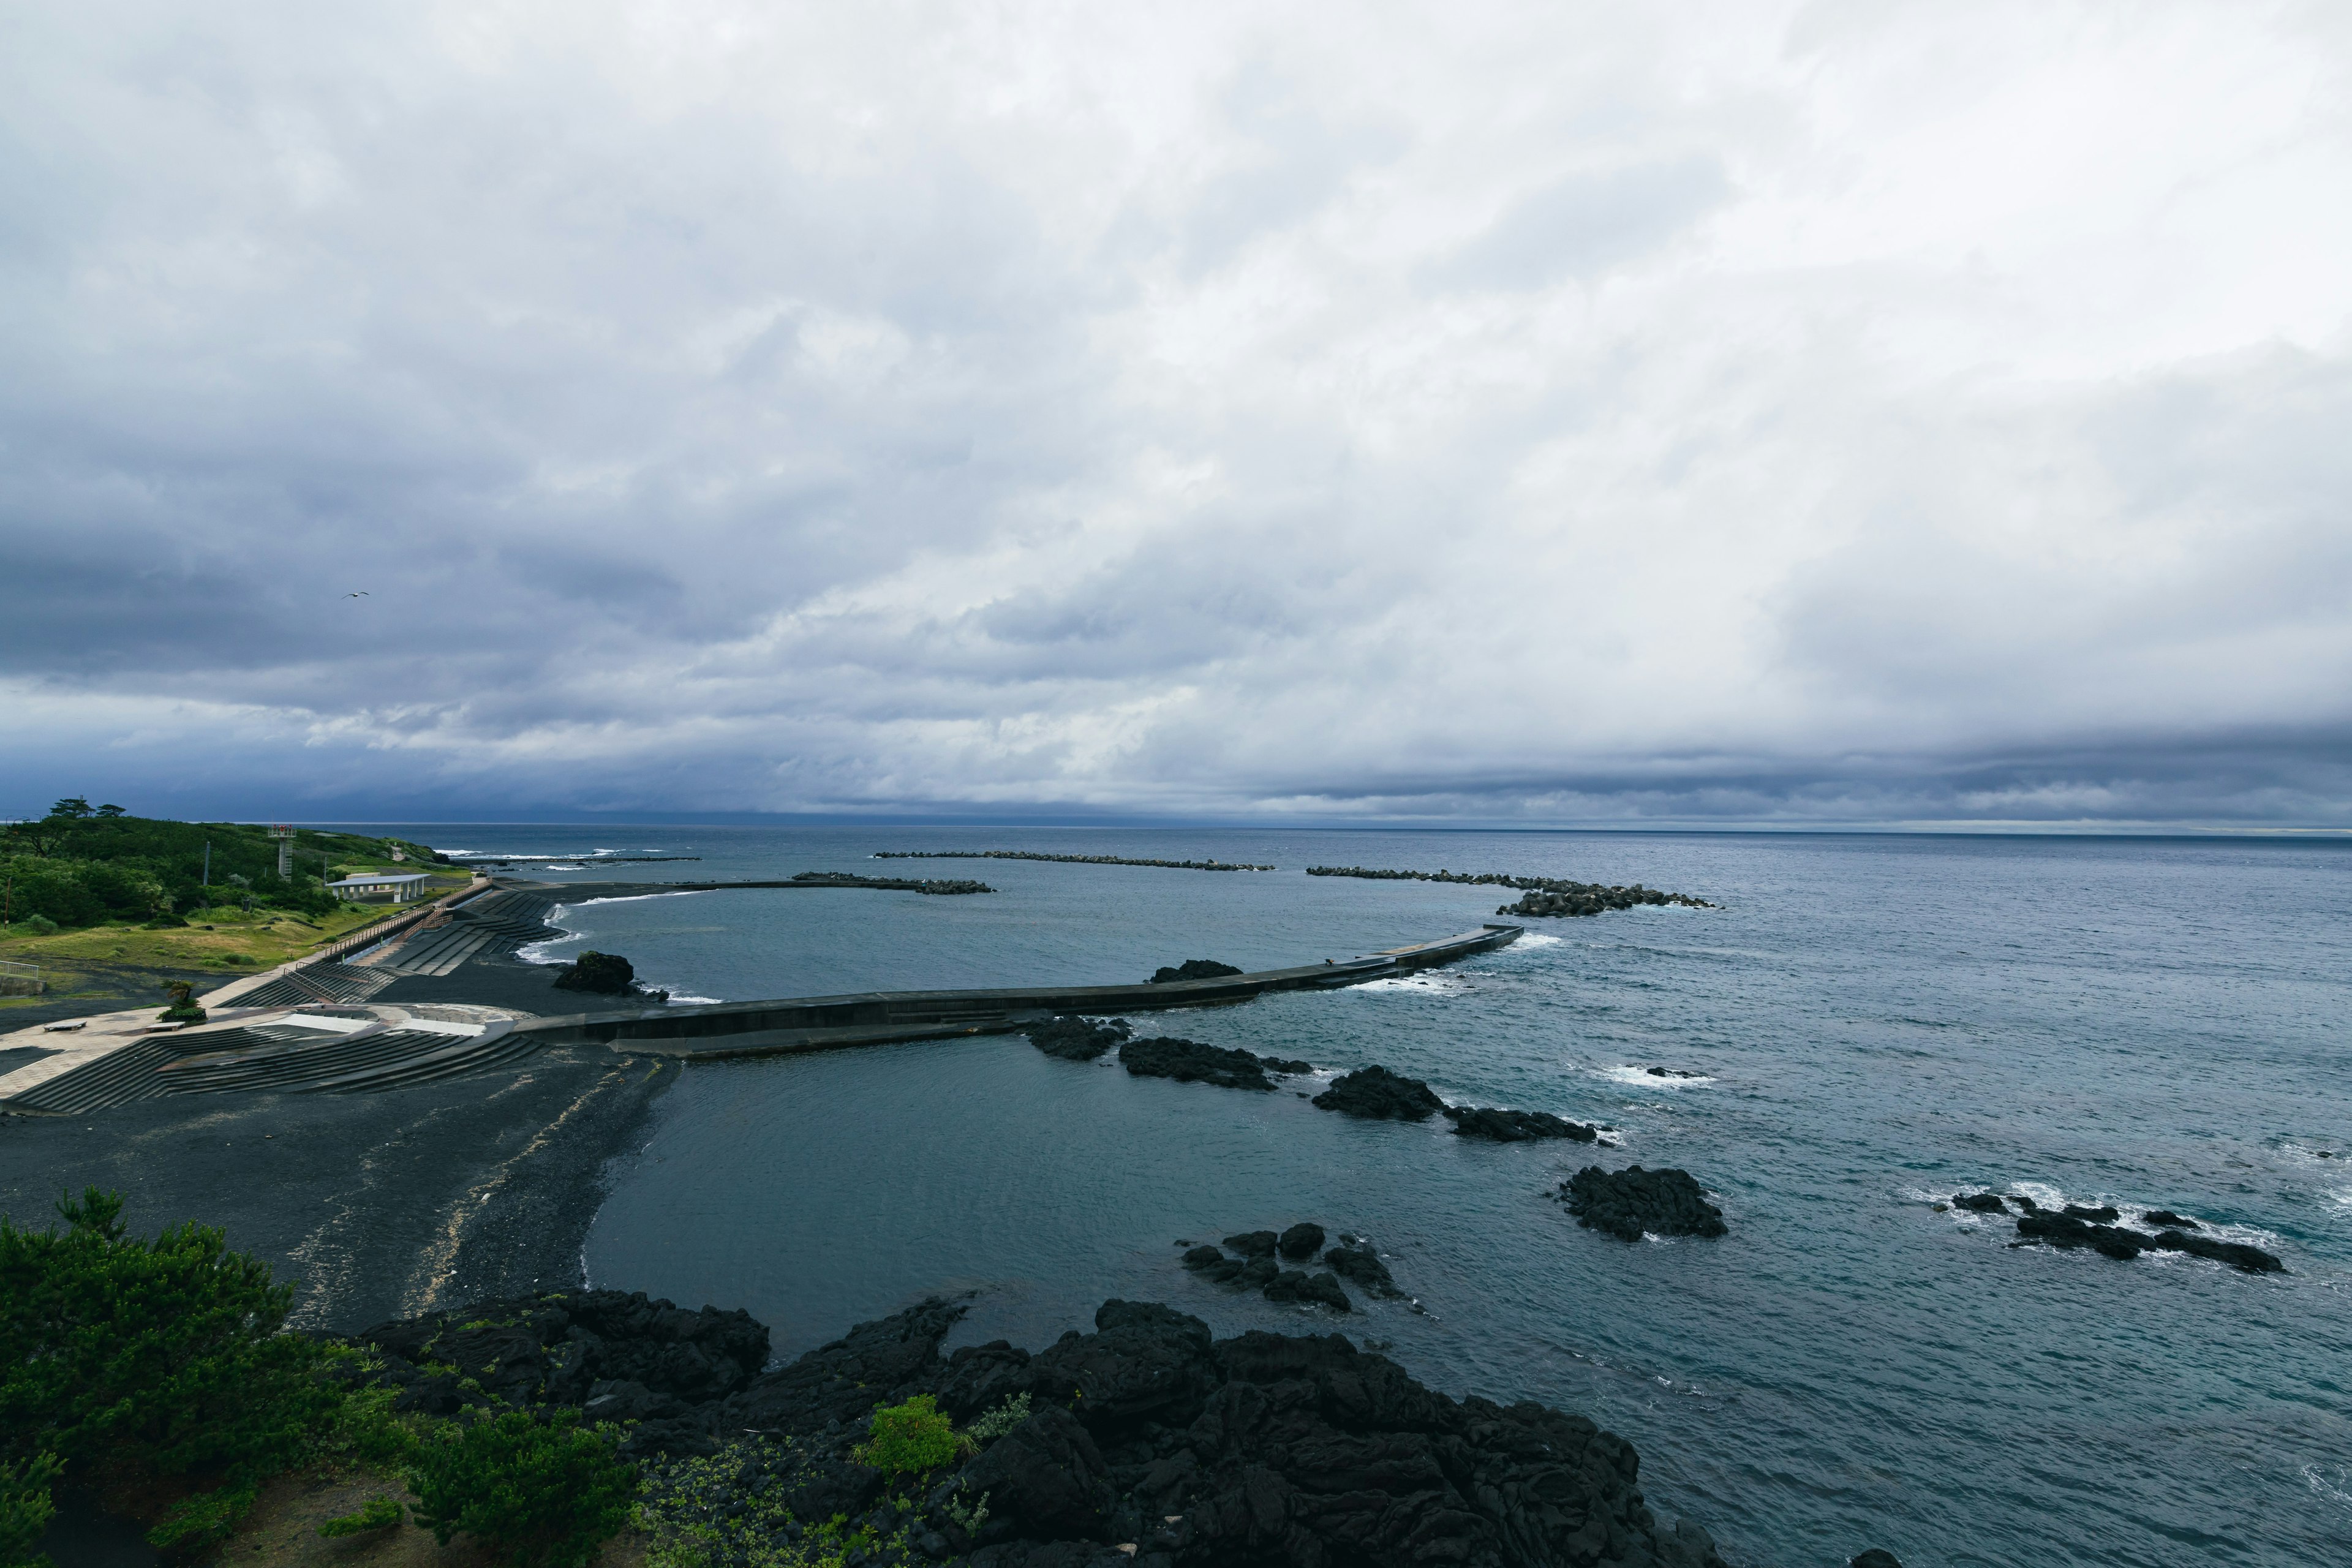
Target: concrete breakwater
1068	860
949	886
827	1023
1545	896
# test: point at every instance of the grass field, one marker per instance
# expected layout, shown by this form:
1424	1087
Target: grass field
224	942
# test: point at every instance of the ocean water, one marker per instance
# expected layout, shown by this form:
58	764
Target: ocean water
1877	1021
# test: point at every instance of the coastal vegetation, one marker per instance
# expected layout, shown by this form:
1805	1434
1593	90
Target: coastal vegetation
88	886
159	1375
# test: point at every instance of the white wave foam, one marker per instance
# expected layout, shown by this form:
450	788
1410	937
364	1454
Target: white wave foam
1536	939
2333	1482
680	999
1644	1078
641	898
1440	984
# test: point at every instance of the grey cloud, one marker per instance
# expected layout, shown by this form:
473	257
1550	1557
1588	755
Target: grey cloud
830	421
1587	223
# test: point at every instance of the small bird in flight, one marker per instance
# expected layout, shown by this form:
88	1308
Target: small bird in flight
361	595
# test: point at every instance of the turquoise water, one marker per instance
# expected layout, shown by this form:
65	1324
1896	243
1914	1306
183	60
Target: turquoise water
1879	1021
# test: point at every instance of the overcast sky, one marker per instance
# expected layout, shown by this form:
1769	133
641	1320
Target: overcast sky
1558	412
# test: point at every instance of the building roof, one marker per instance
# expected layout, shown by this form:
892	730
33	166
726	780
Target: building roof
380	879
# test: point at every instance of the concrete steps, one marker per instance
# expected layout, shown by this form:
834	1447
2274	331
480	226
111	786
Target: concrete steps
278	1059
337	984
116	1078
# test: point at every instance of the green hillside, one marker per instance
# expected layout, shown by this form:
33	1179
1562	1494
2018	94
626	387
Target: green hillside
82	866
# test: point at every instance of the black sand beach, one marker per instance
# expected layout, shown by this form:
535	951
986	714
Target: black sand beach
379	1205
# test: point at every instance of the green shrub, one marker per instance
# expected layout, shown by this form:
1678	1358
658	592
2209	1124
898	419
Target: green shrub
24	1510
1001	1419
39	925
148	1357
376	1513
912	1437
205	1519
541	1495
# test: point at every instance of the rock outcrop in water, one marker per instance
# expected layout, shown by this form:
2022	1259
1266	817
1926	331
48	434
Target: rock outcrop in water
605	974
2097	1228
1254	1266
1146	1442
1516	1126
1078	1039
1381	1095
1189	1061
1574	899
937	886
1191	969
1544	896
1628	1203
2068	1228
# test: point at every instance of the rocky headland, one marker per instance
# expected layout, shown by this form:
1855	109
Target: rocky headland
1632	1202
1148	1441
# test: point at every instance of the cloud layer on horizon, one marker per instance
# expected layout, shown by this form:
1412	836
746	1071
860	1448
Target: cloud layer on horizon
1804	412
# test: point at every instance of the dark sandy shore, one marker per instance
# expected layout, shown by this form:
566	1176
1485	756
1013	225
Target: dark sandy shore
378	1206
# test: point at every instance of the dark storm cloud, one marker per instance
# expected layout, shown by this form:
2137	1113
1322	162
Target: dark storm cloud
1518	414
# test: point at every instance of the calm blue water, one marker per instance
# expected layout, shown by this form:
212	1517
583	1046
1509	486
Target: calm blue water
1880	1020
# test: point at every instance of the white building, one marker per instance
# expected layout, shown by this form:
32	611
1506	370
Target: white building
402	885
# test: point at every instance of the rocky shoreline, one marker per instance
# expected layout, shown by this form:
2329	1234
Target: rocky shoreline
1146	1441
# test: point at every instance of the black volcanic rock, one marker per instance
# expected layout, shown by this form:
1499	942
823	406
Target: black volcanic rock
2059	1229
2104	1214
566	1348
1258	1272
1078	1039
1304	1239
1632	1201
1514	1126
1361	1266
1979	1203
1192	969
1297	1285
604	973
1189	1061
1377	1093
1254	1243
2166	1217
1046	1477
1876	1557
1275	1451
